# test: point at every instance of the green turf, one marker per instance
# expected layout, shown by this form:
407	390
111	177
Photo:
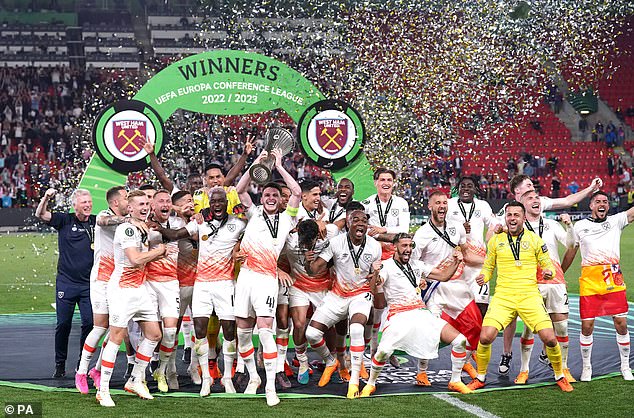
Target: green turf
27	276
65	404
603	397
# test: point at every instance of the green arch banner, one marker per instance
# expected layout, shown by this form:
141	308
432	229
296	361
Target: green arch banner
222	82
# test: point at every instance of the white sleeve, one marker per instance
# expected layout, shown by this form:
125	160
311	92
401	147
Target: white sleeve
192	228
252	211
621	219
547	203
384	275
462	235
417	252
331	231
560	234
128	236
403	221
425	269
488	217
575	234
326	254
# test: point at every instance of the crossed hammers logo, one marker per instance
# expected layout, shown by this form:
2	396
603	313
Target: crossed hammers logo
331	139
129	141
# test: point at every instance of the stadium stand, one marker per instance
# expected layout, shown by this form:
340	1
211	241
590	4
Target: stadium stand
46	99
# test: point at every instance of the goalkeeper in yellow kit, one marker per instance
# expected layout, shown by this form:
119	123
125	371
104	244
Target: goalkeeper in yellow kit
517	255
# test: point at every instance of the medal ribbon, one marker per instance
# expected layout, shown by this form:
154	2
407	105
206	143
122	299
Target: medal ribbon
273	226
334	216
464	211
515	248
382	216
355	256
409	273
541	226
214	229
442	234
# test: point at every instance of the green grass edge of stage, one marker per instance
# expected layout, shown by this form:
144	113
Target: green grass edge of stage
43	388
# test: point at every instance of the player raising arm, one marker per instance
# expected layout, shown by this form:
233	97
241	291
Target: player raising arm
257	284
601	286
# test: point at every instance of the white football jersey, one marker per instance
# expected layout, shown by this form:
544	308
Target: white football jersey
434	250
395	213
216	240
400	293
295	257
478	212
348	280
262	248
334	211
552	233
125	274
600	242
165	268
103	264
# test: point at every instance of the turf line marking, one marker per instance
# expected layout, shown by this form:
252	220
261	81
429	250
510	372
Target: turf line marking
472	409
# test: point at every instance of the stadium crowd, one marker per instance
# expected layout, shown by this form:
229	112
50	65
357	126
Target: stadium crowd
45	116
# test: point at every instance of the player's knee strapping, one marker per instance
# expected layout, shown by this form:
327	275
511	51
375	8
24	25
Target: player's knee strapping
281	340
561	332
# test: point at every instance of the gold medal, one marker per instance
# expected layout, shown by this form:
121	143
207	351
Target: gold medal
357	271
92	245
205	237
518	263
418	290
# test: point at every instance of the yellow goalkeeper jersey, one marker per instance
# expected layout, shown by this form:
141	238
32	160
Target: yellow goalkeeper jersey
201	200
515	278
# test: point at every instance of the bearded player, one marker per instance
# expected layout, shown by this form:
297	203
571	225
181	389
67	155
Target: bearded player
517	254
452	300
519	185
601	286
410	327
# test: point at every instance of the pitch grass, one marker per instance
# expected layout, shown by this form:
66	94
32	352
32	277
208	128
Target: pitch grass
28	265
604	397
